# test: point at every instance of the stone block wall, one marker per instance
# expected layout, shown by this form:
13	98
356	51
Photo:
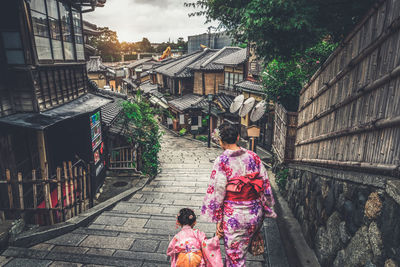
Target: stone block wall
348	218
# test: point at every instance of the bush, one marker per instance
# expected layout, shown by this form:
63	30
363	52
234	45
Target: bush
143	130
281	179
202	138
182	131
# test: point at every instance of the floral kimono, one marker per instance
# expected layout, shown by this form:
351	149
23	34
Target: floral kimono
238	195
191	245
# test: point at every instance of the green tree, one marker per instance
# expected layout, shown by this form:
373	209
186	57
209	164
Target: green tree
143	129
107	44
282	28
294	37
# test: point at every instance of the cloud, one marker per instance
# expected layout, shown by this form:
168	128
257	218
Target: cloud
158	20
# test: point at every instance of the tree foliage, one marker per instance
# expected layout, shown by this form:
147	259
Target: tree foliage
283	79
143	130
294	37
107	44
283	28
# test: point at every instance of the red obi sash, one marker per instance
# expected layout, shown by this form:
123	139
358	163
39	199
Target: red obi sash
244	188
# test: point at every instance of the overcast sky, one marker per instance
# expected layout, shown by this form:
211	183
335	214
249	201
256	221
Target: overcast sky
157	20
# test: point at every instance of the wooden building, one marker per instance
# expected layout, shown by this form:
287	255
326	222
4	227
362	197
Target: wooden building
47	115
235	71
207	74
98	72
174	77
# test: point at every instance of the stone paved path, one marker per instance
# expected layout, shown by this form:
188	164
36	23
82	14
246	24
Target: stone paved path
136	232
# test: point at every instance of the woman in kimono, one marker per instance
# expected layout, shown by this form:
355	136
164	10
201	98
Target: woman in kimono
190	247
238	196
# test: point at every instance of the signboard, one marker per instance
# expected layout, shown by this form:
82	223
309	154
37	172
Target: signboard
194	127
199	121
181	119
253	131
169	121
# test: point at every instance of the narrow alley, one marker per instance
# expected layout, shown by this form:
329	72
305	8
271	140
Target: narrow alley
136	232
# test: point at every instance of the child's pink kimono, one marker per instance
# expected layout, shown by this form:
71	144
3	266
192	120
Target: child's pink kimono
193	240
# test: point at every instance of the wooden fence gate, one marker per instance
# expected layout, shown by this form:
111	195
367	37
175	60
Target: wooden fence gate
123	158
52	200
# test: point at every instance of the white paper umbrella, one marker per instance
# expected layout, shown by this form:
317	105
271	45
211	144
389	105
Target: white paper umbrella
247	106
258	111
237	103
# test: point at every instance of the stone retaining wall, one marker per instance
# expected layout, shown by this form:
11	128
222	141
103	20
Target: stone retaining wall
348	218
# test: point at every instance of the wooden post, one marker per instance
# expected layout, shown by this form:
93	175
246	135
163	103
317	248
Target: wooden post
81	206
71	185
76	190
89	178
84	190
42	152
60	201
34	191
252	144
20	192
47	193
9	187
66	185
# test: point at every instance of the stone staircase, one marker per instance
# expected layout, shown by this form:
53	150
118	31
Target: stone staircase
136	232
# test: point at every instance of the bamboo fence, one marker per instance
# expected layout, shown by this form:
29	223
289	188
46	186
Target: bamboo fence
284	133
349	112
53	200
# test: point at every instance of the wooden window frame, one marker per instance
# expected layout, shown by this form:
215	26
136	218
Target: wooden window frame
71	7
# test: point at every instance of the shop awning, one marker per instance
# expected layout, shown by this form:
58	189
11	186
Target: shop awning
156	101
39	121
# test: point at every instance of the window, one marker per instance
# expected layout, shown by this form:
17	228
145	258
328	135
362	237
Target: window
76	16
13	47
54	25
226	79
231	80
67	32
41	30
55	31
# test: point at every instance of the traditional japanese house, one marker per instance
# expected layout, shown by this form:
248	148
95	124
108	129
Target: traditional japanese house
174	77
185	112
235	71
207	74
98	72
47	114
219	113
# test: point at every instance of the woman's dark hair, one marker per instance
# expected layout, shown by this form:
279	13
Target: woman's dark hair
228	133
186	217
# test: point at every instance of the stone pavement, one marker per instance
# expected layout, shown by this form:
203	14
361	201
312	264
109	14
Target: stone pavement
136	232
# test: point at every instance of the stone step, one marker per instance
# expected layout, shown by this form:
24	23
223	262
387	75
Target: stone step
119	257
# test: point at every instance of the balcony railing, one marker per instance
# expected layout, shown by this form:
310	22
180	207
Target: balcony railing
228	90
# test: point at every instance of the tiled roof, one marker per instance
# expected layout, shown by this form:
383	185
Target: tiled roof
250	86
177	67
207	62
233	59
147	87
111	111
95	64
185	102
224	99
138	63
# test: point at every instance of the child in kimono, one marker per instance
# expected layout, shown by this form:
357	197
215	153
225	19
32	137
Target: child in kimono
190	247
